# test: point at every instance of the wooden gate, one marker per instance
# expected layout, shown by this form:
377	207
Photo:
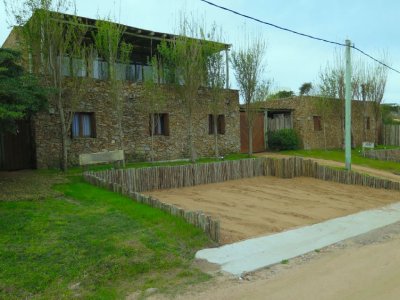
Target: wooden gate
258	133
16	150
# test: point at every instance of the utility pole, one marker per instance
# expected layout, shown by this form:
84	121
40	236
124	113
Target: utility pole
348	108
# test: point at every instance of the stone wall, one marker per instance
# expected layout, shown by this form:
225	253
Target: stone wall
332	121
136	136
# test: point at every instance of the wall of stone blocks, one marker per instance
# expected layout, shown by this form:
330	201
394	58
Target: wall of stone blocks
332	120
136	136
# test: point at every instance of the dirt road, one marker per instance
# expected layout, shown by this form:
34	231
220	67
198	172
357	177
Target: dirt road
363	268
265	205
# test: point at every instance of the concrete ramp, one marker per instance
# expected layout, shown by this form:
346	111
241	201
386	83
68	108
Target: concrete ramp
257	253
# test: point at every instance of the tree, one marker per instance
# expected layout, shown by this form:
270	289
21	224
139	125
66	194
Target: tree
184	59
50	37
215	80
281	95
305	89
155	99
248	66
20	93
111	48
368	84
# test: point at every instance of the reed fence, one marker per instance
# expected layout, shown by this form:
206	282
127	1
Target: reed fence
389	154
133	182
391	135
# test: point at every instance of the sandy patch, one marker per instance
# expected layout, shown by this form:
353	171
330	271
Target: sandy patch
265	205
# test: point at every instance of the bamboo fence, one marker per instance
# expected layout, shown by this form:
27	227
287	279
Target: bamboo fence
391	135
133	182
390	154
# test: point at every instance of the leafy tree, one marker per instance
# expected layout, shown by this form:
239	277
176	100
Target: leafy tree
248	66
281	95
155	98
111	48
215	63
20	93
305	89
184	59
48	37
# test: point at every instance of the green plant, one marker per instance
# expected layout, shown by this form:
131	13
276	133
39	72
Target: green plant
284	261
284	139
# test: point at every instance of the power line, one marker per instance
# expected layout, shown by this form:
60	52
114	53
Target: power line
299	33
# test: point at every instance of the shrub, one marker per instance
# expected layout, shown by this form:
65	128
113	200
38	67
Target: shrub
284	139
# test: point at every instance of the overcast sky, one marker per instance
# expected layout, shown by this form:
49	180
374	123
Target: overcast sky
291	60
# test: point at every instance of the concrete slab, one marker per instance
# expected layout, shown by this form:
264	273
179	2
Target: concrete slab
256	253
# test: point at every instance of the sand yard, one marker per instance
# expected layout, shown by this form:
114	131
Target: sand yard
265	205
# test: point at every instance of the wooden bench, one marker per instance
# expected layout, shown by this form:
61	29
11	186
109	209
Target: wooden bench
105	157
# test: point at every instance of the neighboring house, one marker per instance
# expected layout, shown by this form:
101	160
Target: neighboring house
319	124
94	127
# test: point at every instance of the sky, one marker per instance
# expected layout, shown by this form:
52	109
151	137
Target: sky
290	60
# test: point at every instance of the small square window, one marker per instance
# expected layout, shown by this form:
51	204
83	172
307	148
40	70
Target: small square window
220	124
317	123
83	125
160	124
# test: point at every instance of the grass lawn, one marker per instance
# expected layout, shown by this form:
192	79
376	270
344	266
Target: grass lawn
338	155
89	243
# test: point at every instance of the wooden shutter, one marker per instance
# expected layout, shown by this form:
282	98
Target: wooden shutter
210	124
93	125
166	124
150	133
221	124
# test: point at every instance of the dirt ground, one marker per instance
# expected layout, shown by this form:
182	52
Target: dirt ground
366	267
266	205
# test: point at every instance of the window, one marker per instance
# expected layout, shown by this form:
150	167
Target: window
83	125
160	125
317	123
367	123
220	124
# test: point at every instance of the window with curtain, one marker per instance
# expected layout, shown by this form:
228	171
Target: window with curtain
83	125
220	124
160	125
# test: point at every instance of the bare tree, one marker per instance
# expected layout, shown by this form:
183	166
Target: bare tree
248	66
55	46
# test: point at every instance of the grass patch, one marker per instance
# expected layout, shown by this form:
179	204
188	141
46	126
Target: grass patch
357	158
92	244
284	261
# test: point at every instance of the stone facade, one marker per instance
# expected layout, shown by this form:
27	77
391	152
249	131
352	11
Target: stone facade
331	113
136	134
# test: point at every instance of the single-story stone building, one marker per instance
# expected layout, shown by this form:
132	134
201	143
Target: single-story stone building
94	125
318	122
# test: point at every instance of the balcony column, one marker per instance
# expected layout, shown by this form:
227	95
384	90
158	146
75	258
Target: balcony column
227	67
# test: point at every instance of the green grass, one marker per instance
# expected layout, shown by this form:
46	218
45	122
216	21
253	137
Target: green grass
357	159
92	244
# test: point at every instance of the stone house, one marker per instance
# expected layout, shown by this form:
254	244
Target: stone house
94	127
319	123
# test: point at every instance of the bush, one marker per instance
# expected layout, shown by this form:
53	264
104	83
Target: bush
284	139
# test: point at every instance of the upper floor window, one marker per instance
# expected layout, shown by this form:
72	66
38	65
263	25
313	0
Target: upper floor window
83	125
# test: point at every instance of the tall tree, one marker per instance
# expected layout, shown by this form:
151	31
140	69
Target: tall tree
155	99
21	94
116	52
216	77
48	37
184	59
248	67
305	89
